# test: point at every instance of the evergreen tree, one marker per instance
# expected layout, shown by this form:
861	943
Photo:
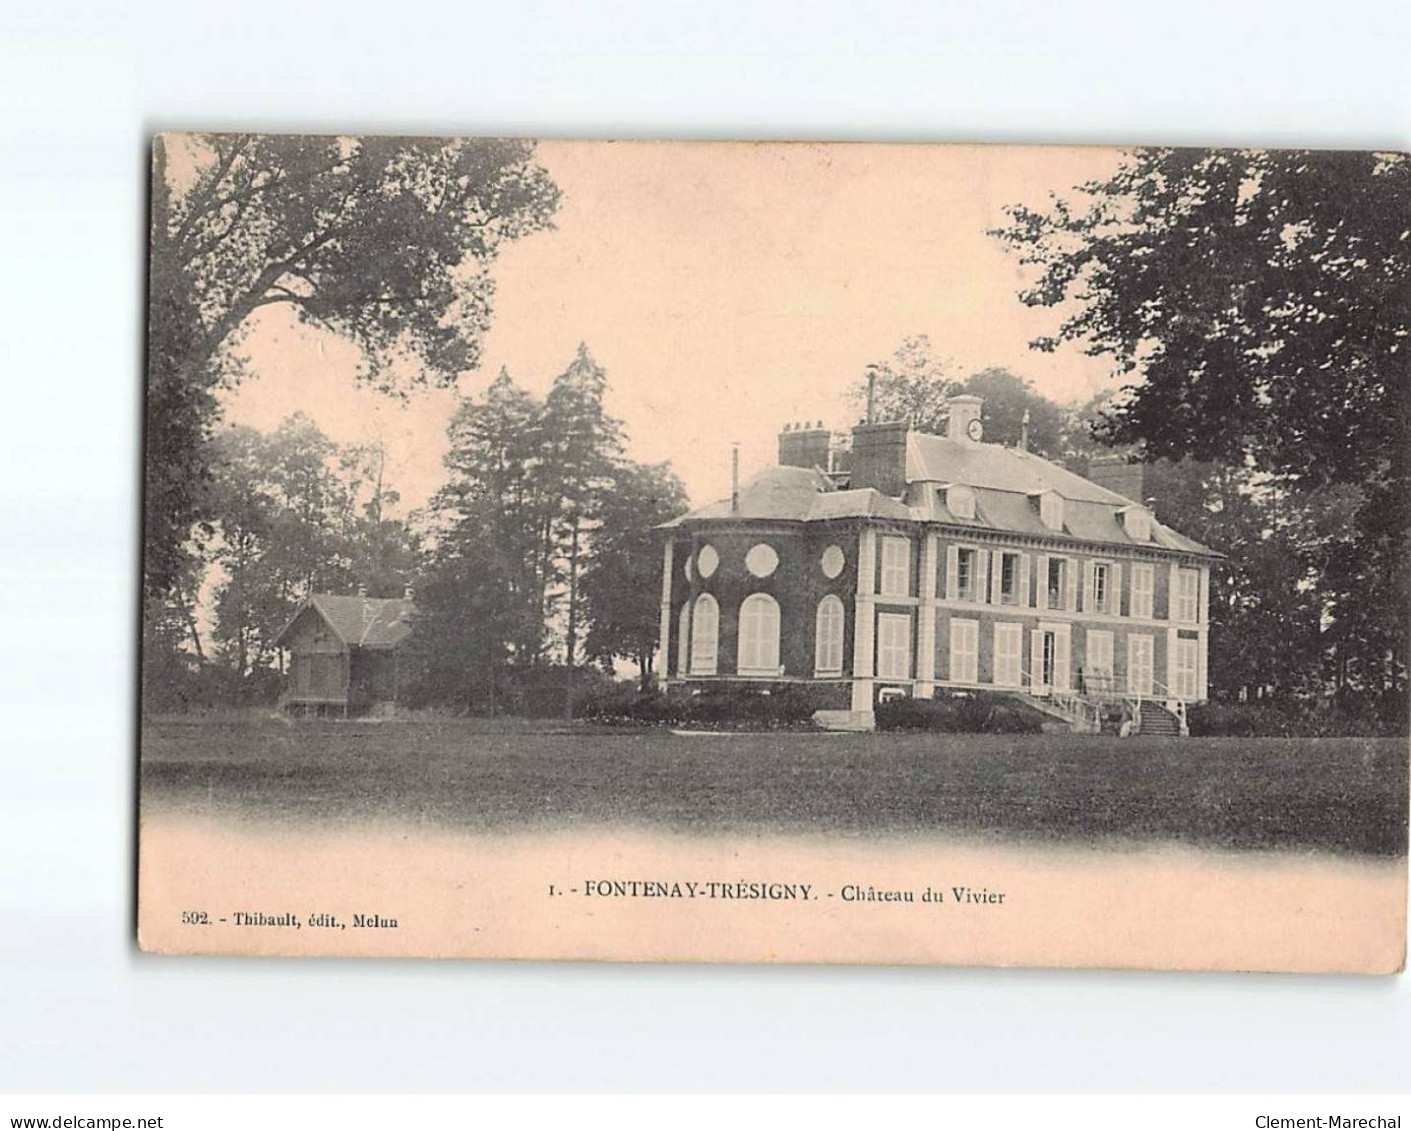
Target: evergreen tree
583	447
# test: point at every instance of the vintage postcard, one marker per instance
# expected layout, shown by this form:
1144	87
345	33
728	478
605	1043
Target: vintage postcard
747	552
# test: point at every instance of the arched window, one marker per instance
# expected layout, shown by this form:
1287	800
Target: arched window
683	639
705	629
759	636
828	637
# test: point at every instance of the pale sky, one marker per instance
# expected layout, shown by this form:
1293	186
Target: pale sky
727	290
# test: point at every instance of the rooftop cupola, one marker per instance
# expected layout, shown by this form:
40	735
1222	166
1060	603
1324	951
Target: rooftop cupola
964	423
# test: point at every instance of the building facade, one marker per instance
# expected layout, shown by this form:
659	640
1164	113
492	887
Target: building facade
937	562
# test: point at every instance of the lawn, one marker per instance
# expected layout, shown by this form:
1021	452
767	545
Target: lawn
1338	795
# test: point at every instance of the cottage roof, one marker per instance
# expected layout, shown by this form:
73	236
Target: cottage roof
359	622
1005	481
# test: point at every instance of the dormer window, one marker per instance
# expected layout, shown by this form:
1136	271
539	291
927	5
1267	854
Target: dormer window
1136	521
960	500
1051	509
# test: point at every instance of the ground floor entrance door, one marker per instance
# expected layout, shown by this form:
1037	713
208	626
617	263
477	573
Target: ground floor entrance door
1049	660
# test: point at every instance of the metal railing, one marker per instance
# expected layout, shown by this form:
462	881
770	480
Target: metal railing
1087	707
1081	713
1175	704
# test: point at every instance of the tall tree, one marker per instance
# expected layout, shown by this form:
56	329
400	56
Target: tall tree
1259	303
583	445
382	543
289	519
471	618
496	489
912	385
482	594
622	576
387	242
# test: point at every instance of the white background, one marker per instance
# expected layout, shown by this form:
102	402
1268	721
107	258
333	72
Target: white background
81	88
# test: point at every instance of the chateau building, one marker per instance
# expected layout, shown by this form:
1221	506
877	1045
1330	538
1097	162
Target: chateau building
939	562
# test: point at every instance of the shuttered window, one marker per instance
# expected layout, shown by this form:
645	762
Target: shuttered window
893	646
1142	588
1097	669
705	633
683	640
1183	685
759	636
1140	653
1009	642
965	651
896	566
1187	595
828	637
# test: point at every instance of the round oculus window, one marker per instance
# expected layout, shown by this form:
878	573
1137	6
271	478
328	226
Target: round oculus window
832	561
761	560
707	561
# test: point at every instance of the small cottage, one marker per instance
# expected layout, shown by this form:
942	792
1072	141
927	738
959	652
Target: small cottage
343	655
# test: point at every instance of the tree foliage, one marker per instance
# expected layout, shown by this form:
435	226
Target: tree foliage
915	385
1259	303
386	242
1264	609
624	570
539	543
295	514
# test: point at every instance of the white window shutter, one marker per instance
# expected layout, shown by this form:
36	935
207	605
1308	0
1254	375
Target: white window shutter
683	642
952	571
1024	580
982	576
1115	601
997	578
1062	643
1089	587
1041	588
1036	659
1070	602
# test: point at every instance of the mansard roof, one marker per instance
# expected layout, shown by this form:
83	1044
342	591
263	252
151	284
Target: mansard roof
798	494
938	459
1005	481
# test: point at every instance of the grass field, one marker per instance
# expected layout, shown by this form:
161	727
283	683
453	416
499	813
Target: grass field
1336	795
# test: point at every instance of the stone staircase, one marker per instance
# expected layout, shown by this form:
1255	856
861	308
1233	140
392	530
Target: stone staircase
1155	719
1092	713
1070	710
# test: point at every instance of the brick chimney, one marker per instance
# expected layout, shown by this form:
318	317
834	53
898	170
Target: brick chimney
879	457
1116	474
804	445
